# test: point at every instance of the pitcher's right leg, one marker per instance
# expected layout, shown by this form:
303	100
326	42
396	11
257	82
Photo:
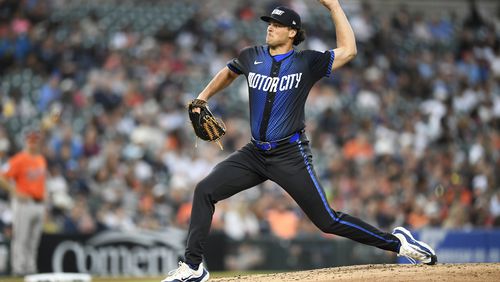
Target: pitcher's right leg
238	172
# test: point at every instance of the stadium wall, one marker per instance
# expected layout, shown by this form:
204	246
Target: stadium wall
144	253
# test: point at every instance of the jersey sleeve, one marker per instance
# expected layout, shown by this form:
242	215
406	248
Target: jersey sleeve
239	65
11	168
320	63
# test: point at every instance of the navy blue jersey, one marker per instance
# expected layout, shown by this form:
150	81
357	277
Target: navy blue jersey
278	88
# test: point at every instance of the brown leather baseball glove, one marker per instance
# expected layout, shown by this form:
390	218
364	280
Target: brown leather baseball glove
205	125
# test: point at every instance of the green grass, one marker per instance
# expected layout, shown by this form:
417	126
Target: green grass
151	279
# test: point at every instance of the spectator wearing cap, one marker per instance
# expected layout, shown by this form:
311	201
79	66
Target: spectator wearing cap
24	177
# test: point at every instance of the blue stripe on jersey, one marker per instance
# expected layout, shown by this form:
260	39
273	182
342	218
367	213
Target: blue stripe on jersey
332	58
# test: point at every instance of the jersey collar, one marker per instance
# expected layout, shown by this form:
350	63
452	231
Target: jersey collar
280	57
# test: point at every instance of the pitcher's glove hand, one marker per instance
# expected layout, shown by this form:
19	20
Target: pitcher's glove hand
205	125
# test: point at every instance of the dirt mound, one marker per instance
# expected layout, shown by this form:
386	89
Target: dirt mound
471	272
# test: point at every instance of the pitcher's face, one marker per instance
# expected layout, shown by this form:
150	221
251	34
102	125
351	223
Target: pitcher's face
278	34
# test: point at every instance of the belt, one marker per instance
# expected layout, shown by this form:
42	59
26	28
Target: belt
269	145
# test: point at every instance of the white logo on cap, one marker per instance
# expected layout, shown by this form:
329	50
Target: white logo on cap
277	12
294	22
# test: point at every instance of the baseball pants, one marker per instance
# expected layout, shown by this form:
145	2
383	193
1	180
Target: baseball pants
290	166
27	229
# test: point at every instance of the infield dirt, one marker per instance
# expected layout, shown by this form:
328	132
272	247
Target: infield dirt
472	272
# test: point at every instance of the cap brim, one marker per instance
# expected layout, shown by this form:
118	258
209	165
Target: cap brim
268	19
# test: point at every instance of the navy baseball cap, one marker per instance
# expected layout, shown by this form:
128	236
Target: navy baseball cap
284	16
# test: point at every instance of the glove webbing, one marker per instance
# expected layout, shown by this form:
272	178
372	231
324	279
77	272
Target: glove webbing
211	130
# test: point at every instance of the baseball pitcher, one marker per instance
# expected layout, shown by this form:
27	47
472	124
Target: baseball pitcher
279	79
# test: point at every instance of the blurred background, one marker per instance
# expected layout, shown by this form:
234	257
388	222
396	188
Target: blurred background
406	134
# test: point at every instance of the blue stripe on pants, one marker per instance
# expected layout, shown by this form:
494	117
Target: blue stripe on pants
325	202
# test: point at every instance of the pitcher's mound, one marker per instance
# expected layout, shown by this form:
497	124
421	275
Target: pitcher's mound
471	272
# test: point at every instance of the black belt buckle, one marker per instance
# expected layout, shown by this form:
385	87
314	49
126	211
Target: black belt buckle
266	146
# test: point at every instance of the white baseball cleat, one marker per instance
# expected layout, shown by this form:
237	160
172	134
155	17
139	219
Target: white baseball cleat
184	273
412	249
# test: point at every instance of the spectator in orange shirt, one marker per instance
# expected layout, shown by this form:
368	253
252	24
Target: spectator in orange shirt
24	177
283	221
358	149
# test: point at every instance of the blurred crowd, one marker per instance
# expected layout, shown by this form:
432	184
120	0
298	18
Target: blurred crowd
406	134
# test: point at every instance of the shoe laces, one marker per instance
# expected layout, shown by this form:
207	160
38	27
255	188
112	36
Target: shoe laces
412	255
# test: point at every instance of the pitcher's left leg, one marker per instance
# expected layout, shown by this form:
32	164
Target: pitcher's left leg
297	177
